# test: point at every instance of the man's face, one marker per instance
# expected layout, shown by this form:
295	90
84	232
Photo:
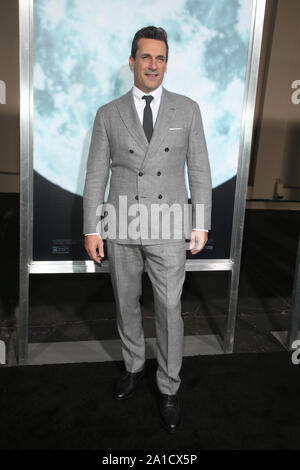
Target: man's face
149	65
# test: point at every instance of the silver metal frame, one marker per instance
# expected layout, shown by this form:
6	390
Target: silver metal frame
26	169
258	14
28	266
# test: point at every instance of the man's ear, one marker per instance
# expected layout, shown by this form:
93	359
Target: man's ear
131	63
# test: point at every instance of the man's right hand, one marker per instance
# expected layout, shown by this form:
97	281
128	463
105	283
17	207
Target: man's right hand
94	246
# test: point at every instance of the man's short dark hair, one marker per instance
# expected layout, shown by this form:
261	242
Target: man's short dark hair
149	32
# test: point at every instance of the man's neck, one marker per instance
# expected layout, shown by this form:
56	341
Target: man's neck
147	92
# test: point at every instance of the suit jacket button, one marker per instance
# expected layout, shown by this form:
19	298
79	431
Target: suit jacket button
167	149
141	173
159	196
131	151
136	197
158	173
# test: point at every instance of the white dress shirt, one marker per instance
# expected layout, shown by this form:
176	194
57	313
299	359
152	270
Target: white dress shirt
140	105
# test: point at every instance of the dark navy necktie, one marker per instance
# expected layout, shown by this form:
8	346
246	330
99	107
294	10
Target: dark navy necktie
148	118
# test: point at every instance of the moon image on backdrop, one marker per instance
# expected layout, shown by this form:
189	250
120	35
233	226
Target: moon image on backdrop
81	51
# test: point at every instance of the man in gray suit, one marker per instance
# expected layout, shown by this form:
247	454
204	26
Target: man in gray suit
145	137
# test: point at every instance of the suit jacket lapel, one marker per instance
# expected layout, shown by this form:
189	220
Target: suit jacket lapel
131	120
129	116
162	123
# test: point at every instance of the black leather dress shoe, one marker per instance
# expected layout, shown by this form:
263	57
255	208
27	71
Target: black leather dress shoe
127	384
170	411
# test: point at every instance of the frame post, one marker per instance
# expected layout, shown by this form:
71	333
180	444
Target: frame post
258	14
26	176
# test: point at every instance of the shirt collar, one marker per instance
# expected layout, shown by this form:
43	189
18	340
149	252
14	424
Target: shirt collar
155	93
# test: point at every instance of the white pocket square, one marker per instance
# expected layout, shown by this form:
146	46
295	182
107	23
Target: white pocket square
175	128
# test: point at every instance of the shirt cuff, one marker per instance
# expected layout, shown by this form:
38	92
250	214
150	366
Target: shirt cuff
203	229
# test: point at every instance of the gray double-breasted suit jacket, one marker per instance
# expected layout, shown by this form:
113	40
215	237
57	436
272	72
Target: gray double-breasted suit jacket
148	174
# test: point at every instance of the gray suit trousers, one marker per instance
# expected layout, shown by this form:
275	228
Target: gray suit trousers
165	264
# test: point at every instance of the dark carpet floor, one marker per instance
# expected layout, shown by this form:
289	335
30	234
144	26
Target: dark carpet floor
248	400
241	401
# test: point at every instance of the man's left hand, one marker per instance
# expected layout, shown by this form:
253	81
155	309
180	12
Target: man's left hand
198	241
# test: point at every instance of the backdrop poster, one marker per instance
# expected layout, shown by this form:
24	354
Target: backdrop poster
81	52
